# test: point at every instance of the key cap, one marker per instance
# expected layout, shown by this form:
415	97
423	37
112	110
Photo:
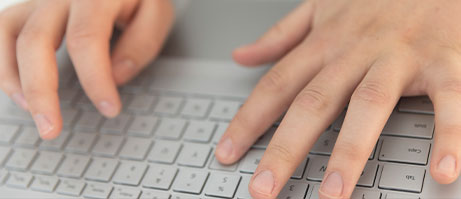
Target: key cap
264	140
15	114
73	166
115	125
410	125
298	174
44	183
315	192
325	143
190	181
97	190
196	108
171	129
3	175
88	121
67	97
19	180
336	126
84	103
402	178
101	169
365	194
293	189
184	196
199	131
125	192
21	159
421	104
194	155
251	160
317	168
149	194
222	127
142	126
405	150
46	163
135	148
141	104
70	187
137	85
159	177
28	137
55	144
7	133
400	196
164	152
69	116
108	145
224	110
216	165
222	185
168	105
130	173
242	191
81	142
4	152
367	178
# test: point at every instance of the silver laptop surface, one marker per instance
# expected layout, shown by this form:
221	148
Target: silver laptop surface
162	144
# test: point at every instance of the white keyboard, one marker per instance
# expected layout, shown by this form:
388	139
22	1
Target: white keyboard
162	146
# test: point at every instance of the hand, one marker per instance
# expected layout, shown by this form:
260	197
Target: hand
31	32
367	53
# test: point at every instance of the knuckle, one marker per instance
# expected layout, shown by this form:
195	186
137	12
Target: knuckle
79	38
372	93
280	151
274	80
30	35
313	99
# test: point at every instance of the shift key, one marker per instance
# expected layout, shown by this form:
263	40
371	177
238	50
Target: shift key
410	125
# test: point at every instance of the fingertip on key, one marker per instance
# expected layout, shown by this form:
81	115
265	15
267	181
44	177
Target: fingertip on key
224	151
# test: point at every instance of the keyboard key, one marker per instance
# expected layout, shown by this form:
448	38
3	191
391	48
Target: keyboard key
402	178
88	121
264	140
216	165
21	159
73	166
44	183
159	177
184	196
70	187
3	175
101	169
190	181
367	179
55	144
421	104
19	180
108	145
251	160
15	114
171	129
143	126
81	142
293	190
164	152
149	194
220	130
84	103
67	97
46	163
4	152
141	104
405	150
115	125
130	173
168	105
196	108
7	133
400	196
28	137
317	168
361	193
336	126
298	174
199	131
222	185
410	125
242	191
135	148
194	155
125	192
68	117
325	143
224	110
97	190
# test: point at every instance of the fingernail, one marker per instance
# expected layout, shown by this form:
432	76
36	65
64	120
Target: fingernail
20	100
263	183
44	125
126	64
447	165
107	109
225	148
333	185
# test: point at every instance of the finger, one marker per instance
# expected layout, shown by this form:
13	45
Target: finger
11	22
142	39
36	46
270	98
281	38
445	93
371	105
318	103
88	34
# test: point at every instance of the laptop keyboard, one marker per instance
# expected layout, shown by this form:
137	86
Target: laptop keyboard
162	146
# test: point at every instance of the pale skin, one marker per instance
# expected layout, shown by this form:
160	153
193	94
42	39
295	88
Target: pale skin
328	53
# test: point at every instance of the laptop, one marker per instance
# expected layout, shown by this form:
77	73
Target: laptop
162	144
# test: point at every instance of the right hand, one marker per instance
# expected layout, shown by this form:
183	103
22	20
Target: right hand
32	31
